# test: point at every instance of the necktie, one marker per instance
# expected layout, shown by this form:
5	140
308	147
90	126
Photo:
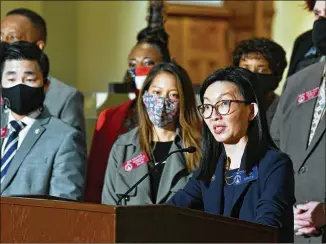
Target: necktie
319	108
10	148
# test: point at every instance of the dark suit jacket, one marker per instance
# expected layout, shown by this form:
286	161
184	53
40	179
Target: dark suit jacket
290	131
300	48
267	200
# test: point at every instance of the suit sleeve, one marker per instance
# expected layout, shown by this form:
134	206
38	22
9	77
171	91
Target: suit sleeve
73	111
109	196
69	169
190	196
276	124
277	196
282	110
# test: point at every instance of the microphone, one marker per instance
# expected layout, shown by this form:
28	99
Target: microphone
188	150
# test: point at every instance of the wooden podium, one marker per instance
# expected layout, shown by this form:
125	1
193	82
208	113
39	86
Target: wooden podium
44	221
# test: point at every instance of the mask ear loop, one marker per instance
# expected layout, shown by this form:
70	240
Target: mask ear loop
6	109
41	109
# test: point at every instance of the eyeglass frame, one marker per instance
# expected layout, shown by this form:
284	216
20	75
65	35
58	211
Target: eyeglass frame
216	108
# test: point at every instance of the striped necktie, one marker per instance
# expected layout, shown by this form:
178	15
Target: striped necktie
10	148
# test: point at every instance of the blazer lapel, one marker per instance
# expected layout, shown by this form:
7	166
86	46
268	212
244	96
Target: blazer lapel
214	194
219	184
240	189
174	164
4	121
128	179
320	131
31	138
305	111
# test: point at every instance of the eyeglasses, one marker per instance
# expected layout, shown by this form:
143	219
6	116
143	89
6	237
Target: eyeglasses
221	107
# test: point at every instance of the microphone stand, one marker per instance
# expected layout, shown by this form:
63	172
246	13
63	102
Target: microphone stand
125	196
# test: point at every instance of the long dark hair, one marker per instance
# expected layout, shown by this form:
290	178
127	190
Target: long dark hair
259	139
189	122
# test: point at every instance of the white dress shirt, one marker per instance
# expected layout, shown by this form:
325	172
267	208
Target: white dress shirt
27	120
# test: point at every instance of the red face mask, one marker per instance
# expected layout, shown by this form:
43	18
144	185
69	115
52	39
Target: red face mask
139	75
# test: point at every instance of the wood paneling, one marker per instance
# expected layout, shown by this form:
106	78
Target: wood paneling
202	38
196	37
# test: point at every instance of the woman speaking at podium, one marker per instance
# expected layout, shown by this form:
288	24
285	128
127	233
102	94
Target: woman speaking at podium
242	173
167	121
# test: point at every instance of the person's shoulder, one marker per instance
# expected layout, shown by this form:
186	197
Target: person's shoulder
129	138
276	154
275	158
305	36
107	115
124	141
56	84
298	83
298	78
59	127
109	111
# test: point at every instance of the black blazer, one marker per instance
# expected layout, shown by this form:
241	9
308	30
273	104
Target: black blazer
300	48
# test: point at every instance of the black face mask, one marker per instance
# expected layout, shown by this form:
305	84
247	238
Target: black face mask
268	83
22	99
319	35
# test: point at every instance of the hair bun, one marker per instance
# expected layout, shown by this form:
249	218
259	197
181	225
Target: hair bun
155	33
310	4
153	36
155	29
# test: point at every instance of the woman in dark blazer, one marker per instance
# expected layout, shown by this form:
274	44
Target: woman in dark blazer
242	173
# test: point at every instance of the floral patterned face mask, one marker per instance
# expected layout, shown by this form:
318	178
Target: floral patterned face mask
161	111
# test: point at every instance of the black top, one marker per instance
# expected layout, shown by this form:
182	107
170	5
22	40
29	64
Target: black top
160	153
301	46
229	192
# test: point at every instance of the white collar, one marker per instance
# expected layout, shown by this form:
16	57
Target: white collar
28	120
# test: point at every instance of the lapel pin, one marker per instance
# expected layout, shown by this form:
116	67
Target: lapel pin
37	131
3	132
213	178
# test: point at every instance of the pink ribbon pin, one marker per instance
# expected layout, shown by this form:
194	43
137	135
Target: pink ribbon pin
3	132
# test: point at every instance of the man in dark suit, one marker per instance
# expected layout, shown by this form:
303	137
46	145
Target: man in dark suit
304	52
40	154
299	129
63	101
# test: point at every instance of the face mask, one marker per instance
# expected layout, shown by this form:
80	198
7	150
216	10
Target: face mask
139	75
161	111
22	99
268	82
319	35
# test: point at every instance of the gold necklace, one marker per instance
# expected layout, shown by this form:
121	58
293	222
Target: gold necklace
153	149
152	152
227	168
